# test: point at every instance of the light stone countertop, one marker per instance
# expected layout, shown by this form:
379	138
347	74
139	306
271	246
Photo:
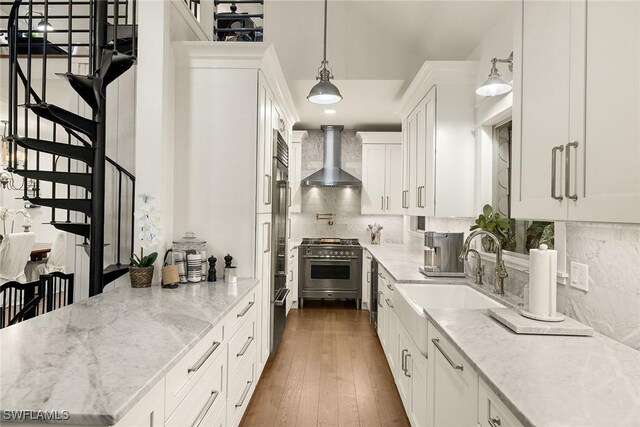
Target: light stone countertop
98	357
545	380
403	263
548	380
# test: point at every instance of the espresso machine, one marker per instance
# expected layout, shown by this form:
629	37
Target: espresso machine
441	254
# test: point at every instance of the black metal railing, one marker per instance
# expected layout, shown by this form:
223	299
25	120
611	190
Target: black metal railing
82	30
230	24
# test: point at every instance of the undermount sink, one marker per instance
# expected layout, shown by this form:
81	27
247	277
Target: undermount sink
415	298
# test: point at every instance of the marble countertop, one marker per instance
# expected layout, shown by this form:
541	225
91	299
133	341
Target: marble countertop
98	357
549	380
403	263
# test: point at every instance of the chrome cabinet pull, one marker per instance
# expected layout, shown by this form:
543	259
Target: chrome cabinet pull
567	166
289	196
382	202
205	408
368	277
268	192
204	357
387	202
390	287
380	299
406	369
282	298
244	394
494	421
389	302
554	175
266	241
436	341
403	366
420	196
244	348
244	310
380	274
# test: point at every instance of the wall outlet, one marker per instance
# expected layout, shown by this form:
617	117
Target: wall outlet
580	276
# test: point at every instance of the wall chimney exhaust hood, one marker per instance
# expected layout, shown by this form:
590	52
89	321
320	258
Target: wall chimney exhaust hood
331	175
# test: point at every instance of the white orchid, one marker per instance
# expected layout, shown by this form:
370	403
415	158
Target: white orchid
7	215
148	222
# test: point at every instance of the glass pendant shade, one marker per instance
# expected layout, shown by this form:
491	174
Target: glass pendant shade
44	25
325	93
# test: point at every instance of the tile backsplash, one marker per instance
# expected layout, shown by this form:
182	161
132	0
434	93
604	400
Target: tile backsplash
344	203
612	252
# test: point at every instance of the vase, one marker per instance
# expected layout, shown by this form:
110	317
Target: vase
141	277
26	228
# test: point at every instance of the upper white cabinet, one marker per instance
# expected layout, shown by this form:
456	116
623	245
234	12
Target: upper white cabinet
576	134
381	173
295	171
438	141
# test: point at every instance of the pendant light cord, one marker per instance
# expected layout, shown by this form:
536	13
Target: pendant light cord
324	56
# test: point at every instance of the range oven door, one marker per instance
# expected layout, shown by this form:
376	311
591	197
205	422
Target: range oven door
331	277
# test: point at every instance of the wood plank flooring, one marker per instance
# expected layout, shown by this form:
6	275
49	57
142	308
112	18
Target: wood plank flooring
330	370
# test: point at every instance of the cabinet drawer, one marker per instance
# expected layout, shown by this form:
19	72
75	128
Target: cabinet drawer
182	377
240	312
241	386
491	411
205	400
243	343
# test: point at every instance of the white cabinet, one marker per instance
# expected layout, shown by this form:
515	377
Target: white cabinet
491	411
295	171
411	378
266	113
576	139
438	143
263	271
292	282
381	173
387	319
149	411
366	279
453	387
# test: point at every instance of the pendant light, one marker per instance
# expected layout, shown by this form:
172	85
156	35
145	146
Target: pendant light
495	85
324	92
44	25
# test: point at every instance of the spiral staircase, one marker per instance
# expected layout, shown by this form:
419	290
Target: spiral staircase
103	32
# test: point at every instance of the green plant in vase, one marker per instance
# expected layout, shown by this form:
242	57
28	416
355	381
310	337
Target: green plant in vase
493	222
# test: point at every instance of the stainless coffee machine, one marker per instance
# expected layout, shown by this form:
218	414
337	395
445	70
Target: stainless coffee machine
441	254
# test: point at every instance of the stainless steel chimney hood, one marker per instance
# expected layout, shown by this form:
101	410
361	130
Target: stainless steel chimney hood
331	175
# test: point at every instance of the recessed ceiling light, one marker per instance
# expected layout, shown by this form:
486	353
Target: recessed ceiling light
329	111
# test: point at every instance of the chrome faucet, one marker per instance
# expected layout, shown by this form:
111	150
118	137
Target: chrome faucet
501	270
479	267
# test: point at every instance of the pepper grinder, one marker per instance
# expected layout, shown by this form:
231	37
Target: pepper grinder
212	269
230	274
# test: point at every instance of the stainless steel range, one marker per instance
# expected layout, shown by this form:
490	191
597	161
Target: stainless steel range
331	269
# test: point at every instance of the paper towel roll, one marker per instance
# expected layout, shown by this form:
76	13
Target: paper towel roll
542	281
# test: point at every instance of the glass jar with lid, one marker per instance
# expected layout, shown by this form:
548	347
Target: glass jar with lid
190	256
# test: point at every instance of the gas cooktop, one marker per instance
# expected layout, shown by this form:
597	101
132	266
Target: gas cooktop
330	241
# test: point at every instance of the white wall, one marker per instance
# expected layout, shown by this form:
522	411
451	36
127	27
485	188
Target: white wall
160	23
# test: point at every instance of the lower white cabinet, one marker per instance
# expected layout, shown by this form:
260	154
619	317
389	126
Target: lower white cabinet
149	411
292	281
491	411
263	272
454	385
366	278
411	378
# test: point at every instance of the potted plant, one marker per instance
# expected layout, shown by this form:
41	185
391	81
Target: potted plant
148	222
492	221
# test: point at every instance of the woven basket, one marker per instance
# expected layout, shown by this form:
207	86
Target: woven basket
141	277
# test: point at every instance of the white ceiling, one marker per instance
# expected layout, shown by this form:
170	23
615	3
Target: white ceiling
374	47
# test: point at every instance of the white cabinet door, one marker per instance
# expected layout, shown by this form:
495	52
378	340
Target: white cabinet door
149	411
420	154
366	279
265	146
605	166
542	70
373	179
412	136
428	183
295	175
403	368
455	385
292	299
392	335
393	184
263	263
383	319
406	167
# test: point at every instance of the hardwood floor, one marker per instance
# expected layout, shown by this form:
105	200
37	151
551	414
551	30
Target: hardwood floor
330	370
